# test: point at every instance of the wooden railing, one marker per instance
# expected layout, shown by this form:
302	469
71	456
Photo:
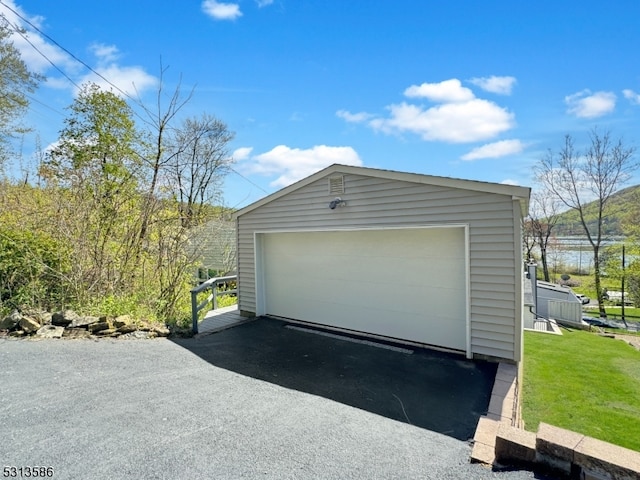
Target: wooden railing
213	284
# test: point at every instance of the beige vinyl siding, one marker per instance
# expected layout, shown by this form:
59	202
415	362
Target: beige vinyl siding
381	202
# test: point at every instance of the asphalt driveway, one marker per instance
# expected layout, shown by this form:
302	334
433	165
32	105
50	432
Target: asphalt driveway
438	391
148	409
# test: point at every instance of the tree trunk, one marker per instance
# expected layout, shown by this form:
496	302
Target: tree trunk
596	274
545	266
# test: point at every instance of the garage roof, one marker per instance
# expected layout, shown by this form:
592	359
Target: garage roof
516	192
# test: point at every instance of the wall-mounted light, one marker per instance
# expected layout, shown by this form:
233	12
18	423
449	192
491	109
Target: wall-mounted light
337	202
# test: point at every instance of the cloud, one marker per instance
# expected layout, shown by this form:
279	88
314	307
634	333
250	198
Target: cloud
508	181
39	55
585	104
264	3
242	153
494	84
221	11
293	164
495	150
29	50
353	117
458	117
471	121
443	92
632	96
133	81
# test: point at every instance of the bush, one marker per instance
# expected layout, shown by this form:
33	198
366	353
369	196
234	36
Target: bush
32	270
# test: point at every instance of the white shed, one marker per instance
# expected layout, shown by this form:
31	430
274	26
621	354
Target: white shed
415	258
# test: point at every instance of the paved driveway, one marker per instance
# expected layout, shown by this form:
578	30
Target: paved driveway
153	409
439	391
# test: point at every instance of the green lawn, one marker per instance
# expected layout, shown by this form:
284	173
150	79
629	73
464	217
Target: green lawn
585	383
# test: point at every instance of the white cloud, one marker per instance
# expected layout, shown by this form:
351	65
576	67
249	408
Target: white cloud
264	3
131	80
632	96
459	116
293	164
105	53
353	117
494	84
124	78
36	62
221	11
242	153
495	150
443	92
508	181
585	104
471	121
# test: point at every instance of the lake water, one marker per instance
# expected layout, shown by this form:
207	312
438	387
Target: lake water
575	253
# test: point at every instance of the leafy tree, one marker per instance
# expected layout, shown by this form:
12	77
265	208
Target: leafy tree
93	170
16	82
575	179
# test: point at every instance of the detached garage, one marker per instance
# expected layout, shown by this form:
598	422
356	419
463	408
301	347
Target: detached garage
415	258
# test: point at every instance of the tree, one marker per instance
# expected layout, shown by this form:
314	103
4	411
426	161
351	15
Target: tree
576	179
16	81
199	162
94	170
543	217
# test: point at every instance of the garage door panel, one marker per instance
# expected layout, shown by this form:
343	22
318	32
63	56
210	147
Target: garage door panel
406	283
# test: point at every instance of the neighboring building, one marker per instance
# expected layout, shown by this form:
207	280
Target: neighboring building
549	301
215	243
421	259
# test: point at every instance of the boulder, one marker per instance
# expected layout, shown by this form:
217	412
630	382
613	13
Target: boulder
29	325
107	332
10	321
50	331
84	322
127	328
99	326
64	318
76	333
161	330
122	320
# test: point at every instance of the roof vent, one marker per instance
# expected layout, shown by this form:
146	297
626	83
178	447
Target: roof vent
336	185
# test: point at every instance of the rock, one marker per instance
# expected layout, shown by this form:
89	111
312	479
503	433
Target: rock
122	320
76	333
99	326
10	321
161	330
84	322
29	325
40	316
64	319
108	332
50	331
127	328
17	333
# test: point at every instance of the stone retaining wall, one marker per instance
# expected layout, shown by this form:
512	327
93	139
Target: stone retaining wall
69	324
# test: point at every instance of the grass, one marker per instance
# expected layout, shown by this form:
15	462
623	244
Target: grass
583	382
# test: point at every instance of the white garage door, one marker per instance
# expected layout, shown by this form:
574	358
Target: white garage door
408	284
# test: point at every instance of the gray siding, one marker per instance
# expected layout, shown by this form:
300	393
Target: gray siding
495	264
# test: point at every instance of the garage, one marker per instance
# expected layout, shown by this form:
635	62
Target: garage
408	284
422	259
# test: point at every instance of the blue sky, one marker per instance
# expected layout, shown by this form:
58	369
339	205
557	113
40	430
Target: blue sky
463	88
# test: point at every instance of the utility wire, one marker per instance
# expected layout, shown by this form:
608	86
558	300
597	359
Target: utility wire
68	52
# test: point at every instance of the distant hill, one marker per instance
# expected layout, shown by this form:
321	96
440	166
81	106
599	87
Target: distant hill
621	203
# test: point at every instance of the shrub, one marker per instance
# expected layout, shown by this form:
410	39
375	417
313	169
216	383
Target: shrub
32	270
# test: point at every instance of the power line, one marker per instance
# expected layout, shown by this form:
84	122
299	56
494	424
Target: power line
66	51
